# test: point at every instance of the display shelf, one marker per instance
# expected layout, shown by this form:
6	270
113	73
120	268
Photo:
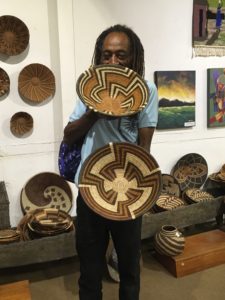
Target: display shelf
202	251
63	245
184	216
38	251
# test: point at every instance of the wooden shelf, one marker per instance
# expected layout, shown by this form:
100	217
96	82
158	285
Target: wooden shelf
201	251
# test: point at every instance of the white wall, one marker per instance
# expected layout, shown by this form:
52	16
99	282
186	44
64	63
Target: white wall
62	36
22	158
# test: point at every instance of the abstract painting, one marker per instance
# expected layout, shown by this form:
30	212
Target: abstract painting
176	92
208	29
216	97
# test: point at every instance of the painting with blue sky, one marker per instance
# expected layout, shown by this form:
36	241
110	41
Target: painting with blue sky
176	92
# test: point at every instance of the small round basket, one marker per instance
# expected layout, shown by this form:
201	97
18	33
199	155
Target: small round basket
196	195
48	221
4	83
168	202
14	35
21	124
9	236
36	83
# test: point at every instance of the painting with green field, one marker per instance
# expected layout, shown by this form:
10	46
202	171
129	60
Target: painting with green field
176	93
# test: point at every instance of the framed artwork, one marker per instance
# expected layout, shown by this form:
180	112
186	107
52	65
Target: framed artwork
216	97
176	93
208	28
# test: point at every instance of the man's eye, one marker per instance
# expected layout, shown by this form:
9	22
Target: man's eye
122	56
106	56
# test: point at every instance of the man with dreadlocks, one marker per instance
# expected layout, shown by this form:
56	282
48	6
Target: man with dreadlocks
116	45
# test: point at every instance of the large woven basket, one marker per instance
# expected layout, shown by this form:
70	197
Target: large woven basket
46	190
190	171
120	181
113	90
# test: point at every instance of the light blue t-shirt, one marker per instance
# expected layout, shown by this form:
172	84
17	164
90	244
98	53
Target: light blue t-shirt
110	129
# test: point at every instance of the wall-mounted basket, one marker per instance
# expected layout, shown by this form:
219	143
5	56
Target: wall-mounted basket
14	35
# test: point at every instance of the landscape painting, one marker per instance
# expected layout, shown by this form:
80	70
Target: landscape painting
216	97
208	28
176	93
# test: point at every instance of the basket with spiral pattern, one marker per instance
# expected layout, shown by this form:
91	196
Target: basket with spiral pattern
120	181
46	190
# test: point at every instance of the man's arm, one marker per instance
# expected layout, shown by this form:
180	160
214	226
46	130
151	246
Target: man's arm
78	128
145	137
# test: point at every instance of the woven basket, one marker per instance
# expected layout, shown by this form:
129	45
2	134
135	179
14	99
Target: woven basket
190	171
4	83
112	90
36	83
14	35
46	190
21	123
120	181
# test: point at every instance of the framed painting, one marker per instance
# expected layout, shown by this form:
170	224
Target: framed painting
208	28
176	93
216	97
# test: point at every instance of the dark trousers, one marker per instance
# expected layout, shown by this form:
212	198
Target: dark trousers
92	237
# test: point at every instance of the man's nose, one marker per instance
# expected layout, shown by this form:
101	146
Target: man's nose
114	60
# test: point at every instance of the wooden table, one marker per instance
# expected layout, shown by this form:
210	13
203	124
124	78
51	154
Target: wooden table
15	291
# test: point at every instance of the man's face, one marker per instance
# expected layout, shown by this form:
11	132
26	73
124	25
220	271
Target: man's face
116	50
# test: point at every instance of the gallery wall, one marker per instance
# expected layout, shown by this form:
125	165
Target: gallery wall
62	36
165	28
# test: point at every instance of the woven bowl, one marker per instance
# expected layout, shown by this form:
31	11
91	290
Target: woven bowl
36	83
9	236
46	190
21	123
50	221
168	202
120	181
14	35
196	195
4	83
190	171
112	90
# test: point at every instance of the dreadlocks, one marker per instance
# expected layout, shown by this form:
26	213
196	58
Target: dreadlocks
135	44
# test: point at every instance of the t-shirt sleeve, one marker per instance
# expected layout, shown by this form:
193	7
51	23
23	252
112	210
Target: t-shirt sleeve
148	117
79	110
